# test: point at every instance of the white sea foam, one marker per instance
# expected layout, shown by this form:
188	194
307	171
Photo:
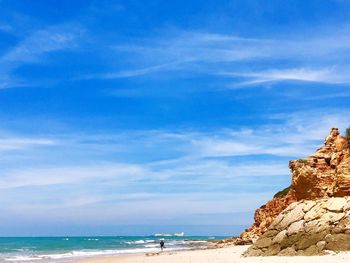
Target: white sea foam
152	245
82	254
136	246
23	258
140	242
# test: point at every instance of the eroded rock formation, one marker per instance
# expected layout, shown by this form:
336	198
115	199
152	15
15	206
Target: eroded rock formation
325	173
264	216
308	227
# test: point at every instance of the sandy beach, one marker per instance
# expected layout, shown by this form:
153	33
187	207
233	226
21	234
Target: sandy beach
220	255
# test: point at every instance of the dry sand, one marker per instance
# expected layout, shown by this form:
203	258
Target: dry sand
220	255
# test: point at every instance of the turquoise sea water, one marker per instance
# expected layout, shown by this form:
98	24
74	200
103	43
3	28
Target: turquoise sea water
63	249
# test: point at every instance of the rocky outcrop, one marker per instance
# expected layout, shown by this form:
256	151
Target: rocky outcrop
325	173
221	243
264	216
309	227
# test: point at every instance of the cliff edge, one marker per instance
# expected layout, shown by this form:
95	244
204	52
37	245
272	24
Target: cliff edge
307	228
325	173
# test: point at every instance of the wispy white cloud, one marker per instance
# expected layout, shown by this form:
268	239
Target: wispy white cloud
171	209
136	72
33	47
182	153
6	27
314	59
210	171
17	142
7	81
183	52
40	42
70	175
20	143
142	173
180	172
323	75
43	41
333	95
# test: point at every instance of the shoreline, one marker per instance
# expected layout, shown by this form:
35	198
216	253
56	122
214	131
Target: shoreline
160	256
70	249
166	252
231	254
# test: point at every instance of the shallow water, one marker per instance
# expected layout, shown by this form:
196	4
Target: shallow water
54	249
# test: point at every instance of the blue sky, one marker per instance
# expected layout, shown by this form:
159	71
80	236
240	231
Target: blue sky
134	117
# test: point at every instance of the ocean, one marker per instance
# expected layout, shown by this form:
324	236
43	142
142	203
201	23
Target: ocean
66	249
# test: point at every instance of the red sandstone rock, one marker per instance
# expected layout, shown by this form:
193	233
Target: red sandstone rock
264	216
325	173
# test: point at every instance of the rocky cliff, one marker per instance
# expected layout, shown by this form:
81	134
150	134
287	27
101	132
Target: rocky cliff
325	173
305	228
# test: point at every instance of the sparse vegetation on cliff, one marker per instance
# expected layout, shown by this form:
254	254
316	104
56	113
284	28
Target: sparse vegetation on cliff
347	132
282	193
321	175
302	161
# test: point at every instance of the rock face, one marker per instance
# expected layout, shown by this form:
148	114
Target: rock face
263	217
221	243
325	173
308	227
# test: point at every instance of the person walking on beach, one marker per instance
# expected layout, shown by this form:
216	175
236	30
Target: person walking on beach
161	245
